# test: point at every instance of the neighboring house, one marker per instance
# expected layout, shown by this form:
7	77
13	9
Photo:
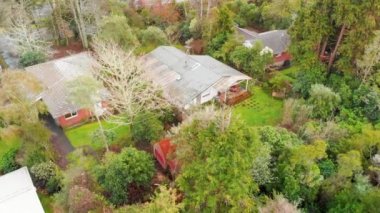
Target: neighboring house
277	41
54	76
18	194
188	80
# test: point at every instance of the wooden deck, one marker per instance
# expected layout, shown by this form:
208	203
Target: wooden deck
234	97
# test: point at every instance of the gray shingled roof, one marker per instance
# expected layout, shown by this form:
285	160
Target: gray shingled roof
55	74
277	40
183	77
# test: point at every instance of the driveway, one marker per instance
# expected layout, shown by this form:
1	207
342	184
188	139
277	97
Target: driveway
61	143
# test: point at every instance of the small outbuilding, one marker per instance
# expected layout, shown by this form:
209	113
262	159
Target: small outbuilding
18	194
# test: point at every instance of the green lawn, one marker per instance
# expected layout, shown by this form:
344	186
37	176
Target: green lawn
46	202
82	135
291	71
7	144
260	108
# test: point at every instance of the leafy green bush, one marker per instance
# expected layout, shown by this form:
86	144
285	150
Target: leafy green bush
146	128
324	101
35	156
115	28
8	161
246	13
153	36
367	101
46	175
252	61
306	78
32	58
216	43
119	171
327	168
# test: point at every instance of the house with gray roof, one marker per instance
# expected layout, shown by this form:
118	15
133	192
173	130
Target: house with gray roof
18	194
277	41
188	80
54	76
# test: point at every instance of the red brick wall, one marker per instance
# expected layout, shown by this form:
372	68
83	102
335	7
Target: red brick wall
82	116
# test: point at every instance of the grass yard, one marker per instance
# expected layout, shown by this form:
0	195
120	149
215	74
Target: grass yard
46	202
7	144
82	135
291	71
260	108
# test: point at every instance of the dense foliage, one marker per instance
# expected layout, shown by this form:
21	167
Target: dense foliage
146	128
32	58
212	177
118	172
322	156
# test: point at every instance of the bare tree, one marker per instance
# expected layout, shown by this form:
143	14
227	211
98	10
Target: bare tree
60	26
23	34
279	204
221	116
77	8
87	15
125	80
370	58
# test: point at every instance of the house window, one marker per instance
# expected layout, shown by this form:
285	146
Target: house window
71	115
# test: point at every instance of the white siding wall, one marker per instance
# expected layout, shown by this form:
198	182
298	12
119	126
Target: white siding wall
208	95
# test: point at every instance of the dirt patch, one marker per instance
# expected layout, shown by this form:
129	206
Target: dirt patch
72	48
197	46
257	29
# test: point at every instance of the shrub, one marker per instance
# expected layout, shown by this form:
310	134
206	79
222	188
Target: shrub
8	161
185	33
327	167
119	171
278	138
296	114
367	101
32	58
216	43
324	101
195	28
46	175
146	127
246	13
252	61
97	137
281	82
35	156
305	79
115	28
279	204
153	36
82	200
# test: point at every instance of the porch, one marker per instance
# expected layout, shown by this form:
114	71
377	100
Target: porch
235	94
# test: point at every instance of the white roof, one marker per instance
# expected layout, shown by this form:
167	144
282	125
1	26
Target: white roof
17	193
184	77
